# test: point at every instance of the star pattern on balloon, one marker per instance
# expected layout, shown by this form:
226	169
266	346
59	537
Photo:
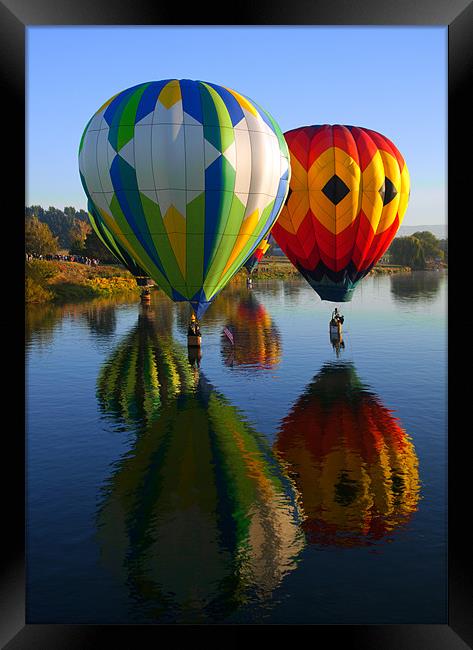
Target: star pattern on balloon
188	177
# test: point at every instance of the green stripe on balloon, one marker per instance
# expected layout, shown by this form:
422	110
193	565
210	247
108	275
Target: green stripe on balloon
195	226
210	118
224	220
122	127
250	246
161	242
224	121
212	283
136	249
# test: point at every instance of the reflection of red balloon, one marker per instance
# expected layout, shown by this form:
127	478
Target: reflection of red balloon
252	311
354	465
257	342
348	193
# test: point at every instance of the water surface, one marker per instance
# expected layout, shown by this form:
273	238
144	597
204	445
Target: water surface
279	480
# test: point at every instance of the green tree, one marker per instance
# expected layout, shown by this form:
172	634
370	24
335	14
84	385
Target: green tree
94	248
430	244
77	234
62	223
443	245
407	251
39	238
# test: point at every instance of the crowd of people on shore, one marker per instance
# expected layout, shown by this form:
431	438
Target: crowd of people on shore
63	258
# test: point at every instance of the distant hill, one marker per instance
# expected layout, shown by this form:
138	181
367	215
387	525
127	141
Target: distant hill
440	231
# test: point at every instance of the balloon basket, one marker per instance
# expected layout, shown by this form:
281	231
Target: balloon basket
335	331
193	341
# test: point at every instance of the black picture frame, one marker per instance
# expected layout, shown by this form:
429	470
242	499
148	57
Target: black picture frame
15	17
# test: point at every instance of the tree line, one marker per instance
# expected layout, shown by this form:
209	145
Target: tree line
419	251
52	230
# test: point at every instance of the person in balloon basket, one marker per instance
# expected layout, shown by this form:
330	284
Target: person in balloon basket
337	317
194	329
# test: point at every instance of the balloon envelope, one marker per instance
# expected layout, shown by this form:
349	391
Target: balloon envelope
348	193
189	177
112	244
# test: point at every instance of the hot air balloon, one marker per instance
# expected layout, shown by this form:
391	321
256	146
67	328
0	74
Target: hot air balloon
254	259
197	517
354	465
348	193
189	177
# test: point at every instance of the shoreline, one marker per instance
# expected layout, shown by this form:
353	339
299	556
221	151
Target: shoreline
58	282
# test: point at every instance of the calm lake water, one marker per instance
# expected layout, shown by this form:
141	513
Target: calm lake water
281	480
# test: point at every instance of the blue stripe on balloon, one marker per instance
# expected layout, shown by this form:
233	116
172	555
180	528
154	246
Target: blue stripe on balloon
199	296
213	204
231	104
177	296
126	190
117	104
213	175
191	103
279	200
200	307
213	207
149	98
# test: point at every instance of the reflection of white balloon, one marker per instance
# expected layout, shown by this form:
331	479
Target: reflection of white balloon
216	512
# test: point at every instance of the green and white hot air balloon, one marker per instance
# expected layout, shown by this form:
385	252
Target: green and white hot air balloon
188	177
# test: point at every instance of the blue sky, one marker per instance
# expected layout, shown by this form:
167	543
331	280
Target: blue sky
390	79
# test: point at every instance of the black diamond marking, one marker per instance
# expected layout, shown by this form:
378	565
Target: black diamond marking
387	191
288	194
335	189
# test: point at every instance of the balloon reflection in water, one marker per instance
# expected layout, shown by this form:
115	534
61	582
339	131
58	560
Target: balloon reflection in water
257	339
147	368
197	518
355	467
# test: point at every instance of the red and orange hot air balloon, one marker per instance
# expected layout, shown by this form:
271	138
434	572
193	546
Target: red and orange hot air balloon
348	193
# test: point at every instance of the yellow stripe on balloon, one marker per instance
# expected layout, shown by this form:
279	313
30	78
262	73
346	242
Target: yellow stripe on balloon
391	171
175	225
372	201
298	175
297	209
285	221
404	193
107	103
335	218
112	225
247	229
244	103
170	94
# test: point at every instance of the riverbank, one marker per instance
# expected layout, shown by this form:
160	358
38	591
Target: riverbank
55	281
58	281
280	267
